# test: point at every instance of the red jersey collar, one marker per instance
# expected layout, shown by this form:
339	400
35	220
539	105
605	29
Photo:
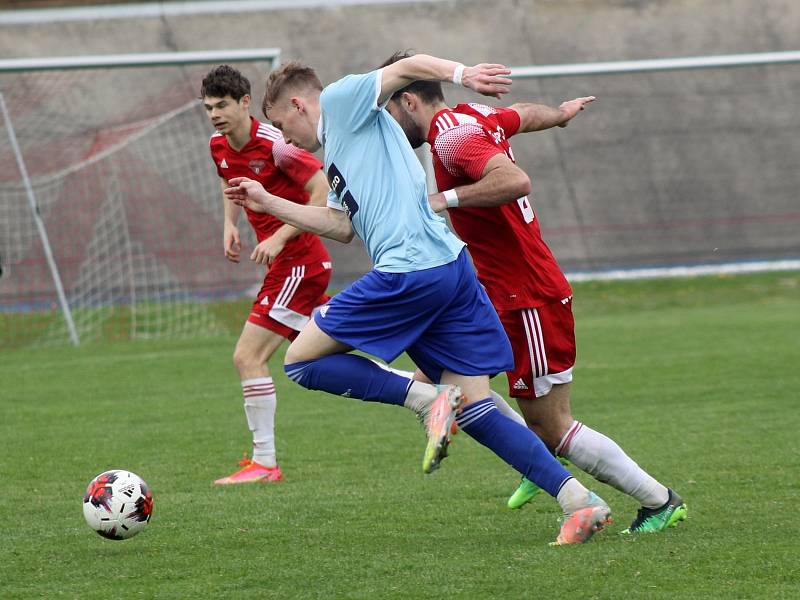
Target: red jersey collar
434	131
254	124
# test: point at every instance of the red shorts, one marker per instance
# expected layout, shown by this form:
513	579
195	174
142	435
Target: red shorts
288	296
543	341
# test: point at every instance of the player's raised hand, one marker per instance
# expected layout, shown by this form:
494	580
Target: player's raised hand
487	79
248	193
570	108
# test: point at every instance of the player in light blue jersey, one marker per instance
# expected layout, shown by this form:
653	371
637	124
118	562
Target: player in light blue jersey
422	296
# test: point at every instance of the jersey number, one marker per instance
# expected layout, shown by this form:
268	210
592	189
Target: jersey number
527	210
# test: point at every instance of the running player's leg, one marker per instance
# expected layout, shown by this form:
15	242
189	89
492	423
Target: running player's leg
254	348
515	444
544	398
466	342
283	305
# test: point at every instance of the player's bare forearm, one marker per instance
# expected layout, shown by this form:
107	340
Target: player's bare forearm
501	182
317	188
537	117
230	211
486	79
231	244
323	221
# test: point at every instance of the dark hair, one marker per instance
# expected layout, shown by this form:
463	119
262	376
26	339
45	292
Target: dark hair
290	75
428	91
224	81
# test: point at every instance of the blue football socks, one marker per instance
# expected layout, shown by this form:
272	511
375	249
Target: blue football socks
352	376
515	444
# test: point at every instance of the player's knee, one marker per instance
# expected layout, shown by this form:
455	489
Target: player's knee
293	355
243	360
545	433
549	430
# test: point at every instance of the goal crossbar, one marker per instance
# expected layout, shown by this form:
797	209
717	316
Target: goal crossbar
659	64
150	59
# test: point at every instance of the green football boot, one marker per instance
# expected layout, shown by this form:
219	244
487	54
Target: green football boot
526	492
651	520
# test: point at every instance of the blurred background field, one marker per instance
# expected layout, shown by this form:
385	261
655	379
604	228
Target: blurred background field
695	378
685	167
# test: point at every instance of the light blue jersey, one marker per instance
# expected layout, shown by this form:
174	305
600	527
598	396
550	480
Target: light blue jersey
377	179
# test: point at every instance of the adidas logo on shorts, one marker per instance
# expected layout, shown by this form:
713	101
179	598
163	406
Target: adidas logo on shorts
520	385
323	310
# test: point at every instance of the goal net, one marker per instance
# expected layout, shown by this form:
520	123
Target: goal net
669	168
128	201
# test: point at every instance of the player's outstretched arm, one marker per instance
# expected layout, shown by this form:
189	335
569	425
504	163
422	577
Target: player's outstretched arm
536	117
486	79
323	221
268	250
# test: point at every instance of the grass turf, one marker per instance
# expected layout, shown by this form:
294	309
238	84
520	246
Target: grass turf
695	378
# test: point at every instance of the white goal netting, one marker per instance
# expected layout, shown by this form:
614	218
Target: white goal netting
119	166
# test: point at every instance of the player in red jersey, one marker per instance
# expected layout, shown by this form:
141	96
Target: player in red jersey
475	169
298	265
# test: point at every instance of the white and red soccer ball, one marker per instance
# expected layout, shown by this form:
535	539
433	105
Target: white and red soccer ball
117	504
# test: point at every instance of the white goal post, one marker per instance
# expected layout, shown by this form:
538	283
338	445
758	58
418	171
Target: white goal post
112	250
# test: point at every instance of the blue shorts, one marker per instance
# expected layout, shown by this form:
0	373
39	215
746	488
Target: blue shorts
441	316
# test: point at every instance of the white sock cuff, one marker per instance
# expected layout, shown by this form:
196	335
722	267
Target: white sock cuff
563	445
259	387
257	381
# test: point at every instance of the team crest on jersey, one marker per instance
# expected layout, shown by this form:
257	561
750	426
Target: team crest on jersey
257	166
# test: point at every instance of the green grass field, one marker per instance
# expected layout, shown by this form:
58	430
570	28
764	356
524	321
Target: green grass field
697	379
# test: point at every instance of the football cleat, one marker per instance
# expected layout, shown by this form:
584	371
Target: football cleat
252	472
651	520
439	424
526	492
581	525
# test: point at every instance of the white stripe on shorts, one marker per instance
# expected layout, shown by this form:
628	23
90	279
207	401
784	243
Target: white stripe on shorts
536	350
290	286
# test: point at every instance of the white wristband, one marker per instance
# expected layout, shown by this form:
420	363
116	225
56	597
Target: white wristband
458	74
450	198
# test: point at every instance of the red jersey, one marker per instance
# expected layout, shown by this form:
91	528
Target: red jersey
283	170
510	256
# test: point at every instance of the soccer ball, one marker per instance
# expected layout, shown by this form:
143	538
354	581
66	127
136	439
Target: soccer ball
117	504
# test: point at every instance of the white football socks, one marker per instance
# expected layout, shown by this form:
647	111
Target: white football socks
573	496
420	396
259	407
603	459
506	410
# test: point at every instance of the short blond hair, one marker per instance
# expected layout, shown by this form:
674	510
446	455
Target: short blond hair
291	75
